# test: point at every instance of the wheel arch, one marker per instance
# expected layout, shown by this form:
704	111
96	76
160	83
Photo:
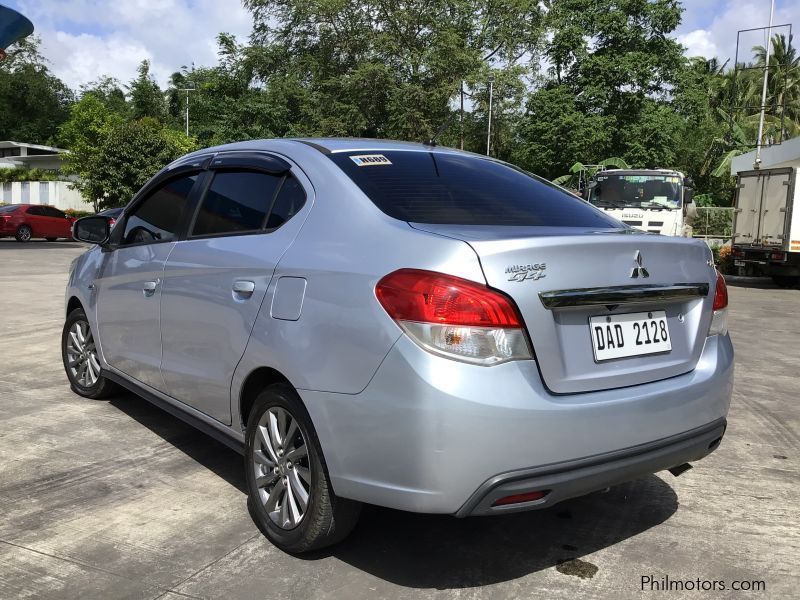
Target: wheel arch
253	385
73	303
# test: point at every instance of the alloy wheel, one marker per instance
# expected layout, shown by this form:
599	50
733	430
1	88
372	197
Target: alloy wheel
282	469
82	359
24	234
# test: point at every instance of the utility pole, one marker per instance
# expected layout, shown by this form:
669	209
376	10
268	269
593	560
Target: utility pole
190	87
757	164
461	117
489	129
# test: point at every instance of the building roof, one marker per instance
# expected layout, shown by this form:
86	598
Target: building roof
50	149
779	155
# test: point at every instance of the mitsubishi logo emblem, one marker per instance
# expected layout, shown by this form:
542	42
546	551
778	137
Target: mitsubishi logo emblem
638	270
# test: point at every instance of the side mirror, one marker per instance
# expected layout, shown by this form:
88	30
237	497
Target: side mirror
688	195
92	230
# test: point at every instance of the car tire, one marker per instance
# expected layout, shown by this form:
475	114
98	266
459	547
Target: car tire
326	519
24	233
785	281
79	354
51	239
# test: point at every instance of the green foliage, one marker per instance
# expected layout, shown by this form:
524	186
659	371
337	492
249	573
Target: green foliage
33	102
111	157
147	99
7	175
579	173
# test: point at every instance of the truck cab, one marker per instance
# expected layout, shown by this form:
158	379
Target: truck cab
653	200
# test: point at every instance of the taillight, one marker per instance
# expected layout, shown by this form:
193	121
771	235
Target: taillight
738	252
719	320
454	317
778	256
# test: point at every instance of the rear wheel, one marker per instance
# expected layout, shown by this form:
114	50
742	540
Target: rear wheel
786	281
24	233
79	353
290	497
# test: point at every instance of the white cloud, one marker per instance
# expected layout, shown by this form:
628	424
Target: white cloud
85	39
699	43
710	26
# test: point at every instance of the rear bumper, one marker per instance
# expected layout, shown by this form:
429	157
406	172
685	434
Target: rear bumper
576	478
434	435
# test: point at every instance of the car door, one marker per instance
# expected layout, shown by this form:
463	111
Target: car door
35	219
58	225
129	288
216	279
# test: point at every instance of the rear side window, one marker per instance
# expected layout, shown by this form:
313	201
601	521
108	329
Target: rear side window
156	219
236	202
457	189
290	200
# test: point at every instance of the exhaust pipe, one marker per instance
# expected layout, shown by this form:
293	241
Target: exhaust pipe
680	469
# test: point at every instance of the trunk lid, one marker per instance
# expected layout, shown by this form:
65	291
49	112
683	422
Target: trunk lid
560	278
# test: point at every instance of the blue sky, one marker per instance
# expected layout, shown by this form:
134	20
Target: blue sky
84	39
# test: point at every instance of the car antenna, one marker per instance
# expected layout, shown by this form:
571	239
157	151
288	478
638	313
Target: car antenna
445	125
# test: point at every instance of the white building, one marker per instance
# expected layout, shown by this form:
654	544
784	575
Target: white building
785	154
18	155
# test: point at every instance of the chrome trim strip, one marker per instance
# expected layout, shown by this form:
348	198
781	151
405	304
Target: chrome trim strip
623	294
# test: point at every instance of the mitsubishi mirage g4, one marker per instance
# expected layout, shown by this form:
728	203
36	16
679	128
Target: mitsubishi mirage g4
403	325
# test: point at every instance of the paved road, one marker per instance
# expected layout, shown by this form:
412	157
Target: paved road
120	500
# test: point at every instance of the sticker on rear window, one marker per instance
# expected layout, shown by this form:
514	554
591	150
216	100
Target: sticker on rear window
367	160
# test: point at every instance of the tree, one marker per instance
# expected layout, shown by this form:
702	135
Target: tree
147	99
34	102
113	158
382	68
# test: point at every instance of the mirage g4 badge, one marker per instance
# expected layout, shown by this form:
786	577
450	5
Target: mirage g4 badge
638	269
523	272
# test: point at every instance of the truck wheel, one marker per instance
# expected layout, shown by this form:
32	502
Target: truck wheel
786	281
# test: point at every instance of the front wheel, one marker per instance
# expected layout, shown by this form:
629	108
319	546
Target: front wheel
24	233
79	353
290	497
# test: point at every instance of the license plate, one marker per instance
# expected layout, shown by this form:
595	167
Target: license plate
632	334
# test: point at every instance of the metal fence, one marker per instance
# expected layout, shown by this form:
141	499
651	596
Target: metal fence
713	224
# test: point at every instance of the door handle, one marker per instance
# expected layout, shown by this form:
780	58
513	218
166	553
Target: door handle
149	288
244	288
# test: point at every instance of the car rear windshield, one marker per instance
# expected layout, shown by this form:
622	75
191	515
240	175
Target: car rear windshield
459	189
9	208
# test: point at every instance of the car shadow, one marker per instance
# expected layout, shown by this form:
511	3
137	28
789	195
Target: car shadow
757	283
203	449
441	551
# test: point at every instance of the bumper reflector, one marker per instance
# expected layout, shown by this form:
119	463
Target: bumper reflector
518	498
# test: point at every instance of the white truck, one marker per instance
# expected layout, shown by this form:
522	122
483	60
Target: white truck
653	200
766	225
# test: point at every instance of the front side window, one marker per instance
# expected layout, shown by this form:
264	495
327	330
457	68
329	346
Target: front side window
36	211
236	202
52	211
156	219
459	189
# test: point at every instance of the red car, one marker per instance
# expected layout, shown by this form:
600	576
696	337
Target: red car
26	221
